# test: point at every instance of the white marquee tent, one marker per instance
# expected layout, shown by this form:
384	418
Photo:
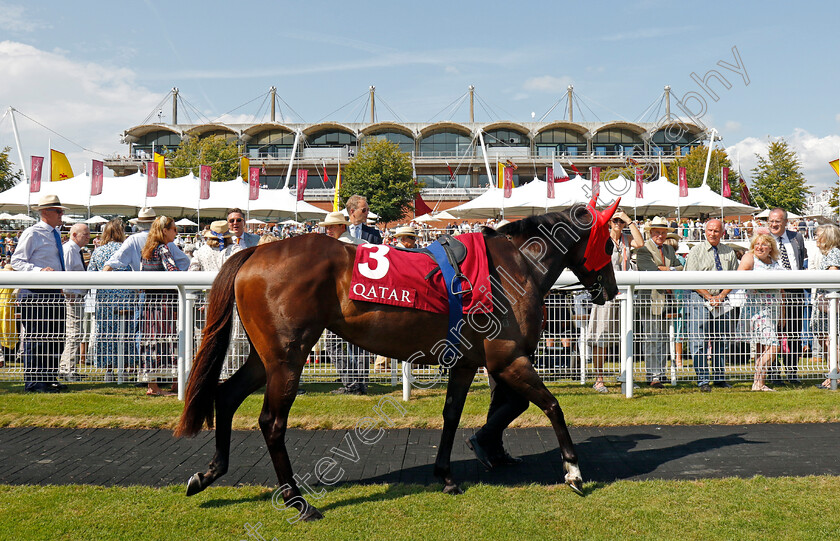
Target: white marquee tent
175	197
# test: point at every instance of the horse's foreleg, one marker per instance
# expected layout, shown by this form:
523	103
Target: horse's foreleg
229	396
280	393
522	378
460	379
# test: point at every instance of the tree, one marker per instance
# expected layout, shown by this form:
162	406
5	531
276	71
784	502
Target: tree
777	179
695	165
8	176
215	151
383	174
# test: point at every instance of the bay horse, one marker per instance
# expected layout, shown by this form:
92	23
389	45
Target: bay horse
288	292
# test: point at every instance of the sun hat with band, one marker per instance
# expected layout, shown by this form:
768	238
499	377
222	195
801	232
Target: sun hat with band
659	223
49	202
220	231
334	218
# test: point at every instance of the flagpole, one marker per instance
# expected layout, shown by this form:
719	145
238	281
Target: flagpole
11	112
709	155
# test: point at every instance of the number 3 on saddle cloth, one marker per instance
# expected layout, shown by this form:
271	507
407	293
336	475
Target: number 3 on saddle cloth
385	275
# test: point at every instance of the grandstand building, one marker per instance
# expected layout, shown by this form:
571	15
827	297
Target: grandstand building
450	158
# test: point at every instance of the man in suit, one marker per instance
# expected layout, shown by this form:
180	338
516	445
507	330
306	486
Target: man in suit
236	224
357	212
655	255
792	256
710	318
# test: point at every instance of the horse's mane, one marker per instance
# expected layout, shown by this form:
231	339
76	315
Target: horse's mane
530	226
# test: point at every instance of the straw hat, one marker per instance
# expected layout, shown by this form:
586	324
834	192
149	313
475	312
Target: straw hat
146	215
334	218
658	223
49	202
406	231
219	228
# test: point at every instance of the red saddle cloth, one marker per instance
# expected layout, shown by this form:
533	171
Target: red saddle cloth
385	275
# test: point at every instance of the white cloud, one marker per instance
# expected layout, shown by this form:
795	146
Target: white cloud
732	125
547	83
13	19
451	70
88	103
813	152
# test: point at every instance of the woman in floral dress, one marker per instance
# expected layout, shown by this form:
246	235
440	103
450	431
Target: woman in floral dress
116	324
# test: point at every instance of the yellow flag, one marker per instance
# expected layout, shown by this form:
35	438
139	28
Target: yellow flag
500	175
336	198
244	165
161	165
835	165
59	166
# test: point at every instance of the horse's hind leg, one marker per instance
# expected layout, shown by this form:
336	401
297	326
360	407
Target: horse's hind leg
229	396
522	378
283	377
460	379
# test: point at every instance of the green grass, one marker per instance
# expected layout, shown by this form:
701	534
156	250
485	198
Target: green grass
744	509
103	405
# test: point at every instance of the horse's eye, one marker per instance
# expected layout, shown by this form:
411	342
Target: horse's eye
609	247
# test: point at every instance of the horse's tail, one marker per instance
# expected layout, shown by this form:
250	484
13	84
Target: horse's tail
207	365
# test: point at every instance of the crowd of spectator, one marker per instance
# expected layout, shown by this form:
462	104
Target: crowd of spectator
139	326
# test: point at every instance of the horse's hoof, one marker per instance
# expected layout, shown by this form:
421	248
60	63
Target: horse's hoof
194	485
577	486
312	513
573	477
453	489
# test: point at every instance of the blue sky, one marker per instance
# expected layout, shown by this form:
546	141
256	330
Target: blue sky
88	70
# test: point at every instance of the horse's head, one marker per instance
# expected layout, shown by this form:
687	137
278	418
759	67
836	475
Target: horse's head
591	261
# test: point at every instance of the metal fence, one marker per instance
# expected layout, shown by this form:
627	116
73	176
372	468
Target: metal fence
144	327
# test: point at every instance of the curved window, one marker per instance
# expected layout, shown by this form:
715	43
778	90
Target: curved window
228	135
560	142
617	142
331	138
271	144
162	141
405	142
505	137
673	140
444	143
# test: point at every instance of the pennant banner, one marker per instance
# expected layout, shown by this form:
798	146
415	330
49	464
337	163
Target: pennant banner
500	175
560	174
835	164
420	206
683	182
151	179
640	182
60	167
745	192
508	181
96	173
160	160
302	176
253	183
244	167
724	182
575	169
549	182
336	197
35	174
595	173
204	174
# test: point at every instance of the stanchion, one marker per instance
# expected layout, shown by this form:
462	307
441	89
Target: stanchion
627	333
832	337
406	381
192	295
182	340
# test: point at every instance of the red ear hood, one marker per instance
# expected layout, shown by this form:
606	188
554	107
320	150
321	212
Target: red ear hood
596	257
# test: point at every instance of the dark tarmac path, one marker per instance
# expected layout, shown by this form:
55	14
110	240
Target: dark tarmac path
109	457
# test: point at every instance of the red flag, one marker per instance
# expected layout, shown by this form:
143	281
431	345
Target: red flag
508	181
451	174
560	174
683	182
204	174
253	183
724	182
575	169
96	174
595	173
745	192
35	176
151	179
640	182
302	176
549	182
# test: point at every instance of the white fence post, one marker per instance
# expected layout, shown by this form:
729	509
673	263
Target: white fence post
406	380
182	341
832	337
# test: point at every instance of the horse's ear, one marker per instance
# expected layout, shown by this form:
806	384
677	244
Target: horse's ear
609	211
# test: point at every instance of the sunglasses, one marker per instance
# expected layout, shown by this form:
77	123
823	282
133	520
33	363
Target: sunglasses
234	220
617	221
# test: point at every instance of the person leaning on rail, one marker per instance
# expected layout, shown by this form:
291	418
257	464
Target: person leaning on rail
709	313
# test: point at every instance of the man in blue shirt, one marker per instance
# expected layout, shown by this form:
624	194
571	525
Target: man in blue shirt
42	310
